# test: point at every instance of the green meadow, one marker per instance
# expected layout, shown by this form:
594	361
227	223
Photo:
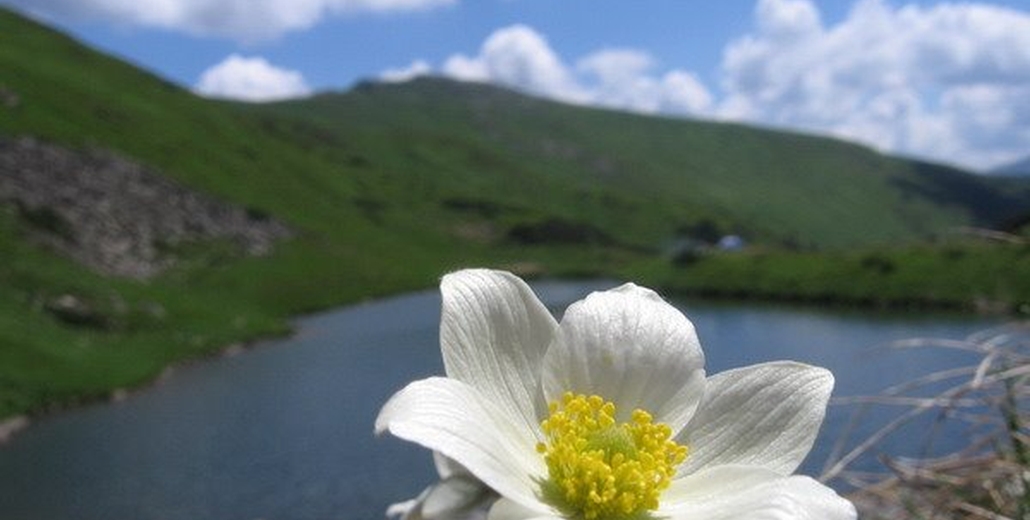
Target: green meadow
961	275
388	186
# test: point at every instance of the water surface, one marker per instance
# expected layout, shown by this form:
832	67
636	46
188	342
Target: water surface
284	431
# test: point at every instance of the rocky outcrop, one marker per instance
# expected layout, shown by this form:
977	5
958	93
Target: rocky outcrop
10	426
116	216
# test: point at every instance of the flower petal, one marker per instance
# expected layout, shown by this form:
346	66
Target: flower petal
762	415
493	334
739	492
456	497
452	498
505	509
409	509
454	419
632	348
448	467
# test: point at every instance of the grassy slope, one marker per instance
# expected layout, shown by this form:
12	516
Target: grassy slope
75	96
959	275
643	177
358	237
389	186
398	153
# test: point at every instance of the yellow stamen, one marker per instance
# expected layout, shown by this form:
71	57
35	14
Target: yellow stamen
602	470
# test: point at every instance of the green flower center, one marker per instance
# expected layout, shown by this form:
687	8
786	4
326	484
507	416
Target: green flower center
602	470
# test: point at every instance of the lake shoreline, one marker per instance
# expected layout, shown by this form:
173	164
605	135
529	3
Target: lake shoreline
275	420
975	278
980	307
11	426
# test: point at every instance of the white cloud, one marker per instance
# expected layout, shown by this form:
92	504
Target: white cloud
624	79
241	20
683	92
949	82
250	79
617	66
413	70
621	79
521	58
787	19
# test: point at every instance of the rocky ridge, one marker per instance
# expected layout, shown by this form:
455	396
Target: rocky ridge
115	215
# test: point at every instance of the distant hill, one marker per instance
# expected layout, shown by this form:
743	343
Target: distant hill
645	177
382	188
437	154
653	174
1018	168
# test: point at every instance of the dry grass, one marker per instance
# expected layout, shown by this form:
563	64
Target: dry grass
988	477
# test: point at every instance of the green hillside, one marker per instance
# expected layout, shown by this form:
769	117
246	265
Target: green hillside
388	186
417	153
640	178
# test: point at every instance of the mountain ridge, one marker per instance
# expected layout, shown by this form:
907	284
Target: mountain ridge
640	179
385	187
1017	168
660	156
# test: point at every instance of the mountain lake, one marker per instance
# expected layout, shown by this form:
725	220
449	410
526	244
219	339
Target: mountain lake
283	431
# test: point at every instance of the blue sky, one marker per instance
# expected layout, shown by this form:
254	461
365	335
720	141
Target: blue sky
938	80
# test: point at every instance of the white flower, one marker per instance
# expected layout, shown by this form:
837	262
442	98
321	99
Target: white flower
458	495
608	415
